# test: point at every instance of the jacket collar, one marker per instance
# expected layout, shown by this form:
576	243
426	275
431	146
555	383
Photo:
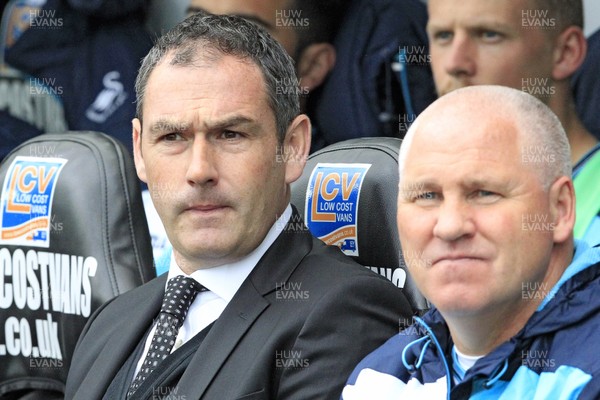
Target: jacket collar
275	267
573	299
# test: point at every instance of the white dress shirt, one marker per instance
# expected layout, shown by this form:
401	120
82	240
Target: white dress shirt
222	283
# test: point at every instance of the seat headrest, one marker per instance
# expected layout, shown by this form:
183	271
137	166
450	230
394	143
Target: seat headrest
73	235
347	195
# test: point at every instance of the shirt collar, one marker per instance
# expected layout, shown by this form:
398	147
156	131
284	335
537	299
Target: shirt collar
461	363
225	280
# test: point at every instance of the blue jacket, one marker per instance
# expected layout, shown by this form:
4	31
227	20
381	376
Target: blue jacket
90	56
586	85
555	356
382	77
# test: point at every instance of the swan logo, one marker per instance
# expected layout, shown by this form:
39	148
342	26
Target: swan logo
108	100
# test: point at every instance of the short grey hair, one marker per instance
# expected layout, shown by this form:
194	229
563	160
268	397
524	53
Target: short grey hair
537	125
210	36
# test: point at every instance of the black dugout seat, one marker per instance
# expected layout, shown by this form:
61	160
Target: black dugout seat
73	235
347	195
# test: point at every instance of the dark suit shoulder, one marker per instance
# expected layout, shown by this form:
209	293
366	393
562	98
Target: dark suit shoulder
342	311
326	282
334	269
131	302
110	336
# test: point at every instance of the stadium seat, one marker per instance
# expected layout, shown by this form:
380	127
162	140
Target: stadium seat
347	195
73	235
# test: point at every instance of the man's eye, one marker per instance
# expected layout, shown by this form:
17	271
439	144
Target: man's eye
442	36
425	196
490	36
485	196
486	193
230	135
171	137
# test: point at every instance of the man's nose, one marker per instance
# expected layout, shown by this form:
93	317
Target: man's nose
454	221
460	59
202	165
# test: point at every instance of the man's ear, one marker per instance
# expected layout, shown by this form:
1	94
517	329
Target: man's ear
570	48
296	146
140	167
314	64
562	208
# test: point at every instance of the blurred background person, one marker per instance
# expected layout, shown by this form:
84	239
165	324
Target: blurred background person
28	105
586	86
532	45
305	28
88	52
353	79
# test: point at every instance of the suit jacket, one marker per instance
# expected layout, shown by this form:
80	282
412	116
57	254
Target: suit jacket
300	322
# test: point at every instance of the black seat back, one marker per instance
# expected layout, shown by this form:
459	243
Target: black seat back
73	234
348	196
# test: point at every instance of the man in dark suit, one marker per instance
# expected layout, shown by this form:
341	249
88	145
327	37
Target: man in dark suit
219	138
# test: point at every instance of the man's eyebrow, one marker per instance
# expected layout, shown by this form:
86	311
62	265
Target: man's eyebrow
489	24
249	17
431	25
229	122
477	24
166	125
407	186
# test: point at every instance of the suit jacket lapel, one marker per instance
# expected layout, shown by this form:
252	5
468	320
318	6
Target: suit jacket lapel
275	267
133	324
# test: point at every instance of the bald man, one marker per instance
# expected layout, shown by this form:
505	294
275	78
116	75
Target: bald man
486	209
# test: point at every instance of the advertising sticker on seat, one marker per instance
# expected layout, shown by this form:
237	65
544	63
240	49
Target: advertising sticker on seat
26	201
332	199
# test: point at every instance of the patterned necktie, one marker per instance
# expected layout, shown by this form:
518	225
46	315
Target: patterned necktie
179	295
